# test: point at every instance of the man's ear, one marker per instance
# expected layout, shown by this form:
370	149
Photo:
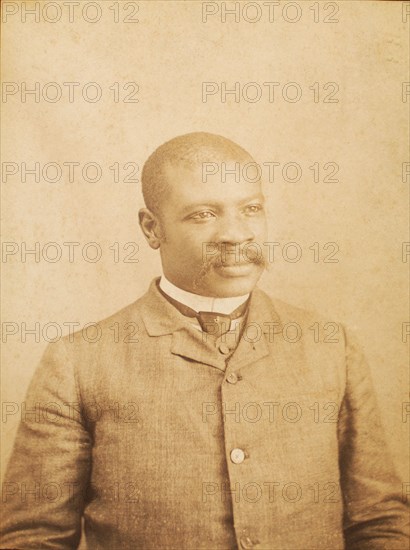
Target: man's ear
150	227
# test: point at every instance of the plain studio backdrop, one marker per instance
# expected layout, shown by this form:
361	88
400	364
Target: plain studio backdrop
287	68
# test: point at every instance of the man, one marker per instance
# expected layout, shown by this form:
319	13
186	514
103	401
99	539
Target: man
208	425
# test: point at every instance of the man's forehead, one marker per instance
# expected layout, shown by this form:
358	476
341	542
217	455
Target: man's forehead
188	186
223	169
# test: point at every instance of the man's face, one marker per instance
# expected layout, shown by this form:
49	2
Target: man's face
208	228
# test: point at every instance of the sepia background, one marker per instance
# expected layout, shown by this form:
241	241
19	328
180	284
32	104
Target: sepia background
152	62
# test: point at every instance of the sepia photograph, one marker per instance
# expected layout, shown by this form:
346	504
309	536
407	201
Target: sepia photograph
205	261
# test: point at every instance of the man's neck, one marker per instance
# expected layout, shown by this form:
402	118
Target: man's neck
201	303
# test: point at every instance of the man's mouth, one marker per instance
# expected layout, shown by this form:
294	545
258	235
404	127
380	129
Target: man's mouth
234	269
228	262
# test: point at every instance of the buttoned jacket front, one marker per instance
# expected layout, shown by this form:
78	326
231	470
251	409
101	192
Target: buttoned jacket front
159	438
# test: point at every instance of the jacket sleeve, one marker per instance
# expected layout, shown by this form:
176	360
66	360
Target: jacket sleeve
375	514
43	492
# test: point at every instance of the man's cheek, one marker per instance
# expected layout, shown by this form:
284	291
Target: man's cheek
261	230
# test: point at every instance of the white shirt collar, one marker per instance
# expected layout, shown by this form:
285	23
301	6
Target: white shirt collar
201	303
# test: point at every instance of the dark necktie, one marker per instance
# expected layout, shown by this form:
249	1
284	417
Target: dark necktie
210	321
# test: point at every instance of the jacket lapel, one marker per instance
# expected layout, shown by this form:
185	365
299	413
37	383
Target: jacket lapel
262	324
162	318
189	342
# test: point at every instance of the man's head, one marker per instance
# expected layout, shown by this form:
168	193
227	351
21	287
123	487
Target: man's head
205	214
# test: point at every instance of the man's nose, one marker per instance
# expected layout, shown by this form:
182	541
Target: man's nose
235	230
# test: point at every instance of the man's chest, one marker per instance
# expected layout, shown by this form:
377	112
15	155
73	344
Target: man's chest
189	439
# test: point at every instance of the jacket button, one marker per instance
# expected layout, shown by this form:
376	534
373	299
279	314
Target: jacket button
232	378
237	456
246	542
223	348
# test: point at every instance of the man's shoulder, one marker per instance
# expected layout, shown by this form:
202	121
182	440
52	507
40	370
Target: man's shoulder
126	319
290	312
128	313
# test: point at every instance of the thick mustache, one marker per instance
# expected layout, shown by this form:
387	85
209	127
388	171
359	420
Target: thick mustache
236	256
219	261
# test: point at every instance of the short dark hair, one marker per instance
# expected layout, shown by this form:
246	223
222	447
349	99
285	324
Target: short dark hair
189	149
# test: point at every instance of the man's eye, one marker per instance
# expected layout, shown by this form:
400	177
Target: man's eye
253	208
205	215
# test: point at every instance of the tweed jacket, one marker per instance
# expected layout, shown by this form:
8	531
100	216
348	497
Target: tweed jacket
157	436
